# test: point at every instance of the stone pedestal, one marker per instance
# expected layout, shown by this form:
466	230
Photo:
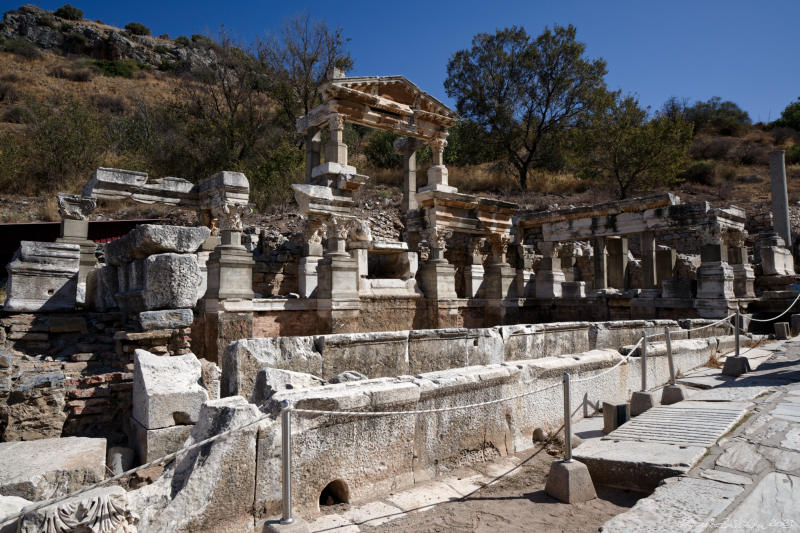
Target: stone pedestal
230	270
500	282
307	276
743	281
338	277
437	172
570	482
714	276
573	289
437	280
736	366
776	260
641	401
43	276
614	415
549	278
673	394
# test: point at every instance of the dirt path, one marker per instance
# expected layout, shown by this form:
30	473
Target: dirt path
515	502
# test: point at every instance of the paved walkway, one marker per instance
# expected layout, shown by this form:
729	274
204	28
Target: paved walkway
750	479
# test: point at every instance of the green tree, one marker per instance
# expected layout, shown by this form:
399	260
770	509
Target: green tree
298	60
137	28
719	117
524	92
69	12
624	148
790	117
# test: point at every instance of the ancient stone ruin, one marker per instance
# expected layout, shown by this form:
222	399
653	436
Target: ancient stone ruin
115	356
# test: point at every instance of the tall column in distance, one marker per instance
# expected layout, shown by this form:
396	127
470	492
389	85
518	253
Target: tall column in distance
780	198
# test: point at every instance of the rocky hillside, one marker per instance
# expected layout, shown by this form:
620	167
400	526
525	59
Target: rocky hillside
101	42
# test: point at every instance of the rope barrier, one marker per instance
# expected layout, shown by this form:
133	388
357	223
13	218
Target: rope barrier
780	315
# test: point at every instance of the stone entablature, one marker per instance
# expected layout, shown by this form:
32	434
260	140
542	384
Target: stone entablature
390	103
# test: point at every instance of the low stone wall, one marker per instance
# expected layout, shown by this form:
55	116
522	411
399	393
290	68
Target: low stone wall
394	353
378	454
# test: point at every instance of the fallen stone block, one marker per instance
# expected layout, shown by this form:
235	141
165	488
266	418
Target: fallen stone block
166	319
46	468
151	444
170	281
151	239
193	494
166	390
100	510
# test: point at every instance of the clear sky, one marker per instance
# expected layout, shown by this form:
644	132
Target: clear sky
747	51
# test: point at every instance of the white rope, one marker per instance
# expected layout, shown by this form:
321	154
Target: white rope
780	315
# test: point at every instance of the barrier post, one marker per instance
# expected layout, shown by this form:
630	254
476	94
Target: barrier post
567	420
286	462
644	360
669	356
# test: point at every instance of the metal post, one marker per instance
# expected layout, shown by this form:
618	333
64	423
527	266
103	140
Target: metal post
669	356
644	361
567	420
737	331
286	461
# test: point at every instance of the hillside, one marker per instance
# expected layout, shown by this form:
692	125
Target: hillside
128	95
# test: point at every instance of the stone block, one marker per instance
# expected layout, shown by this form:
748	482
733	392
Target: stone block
36	407
614	415
151	444
795	325
736	366
570	482
166	319
170	281
781	330
272	380
641	401
151	239
573	289
676	288
166	390
46	468
104	509
672	394
43	276
192	494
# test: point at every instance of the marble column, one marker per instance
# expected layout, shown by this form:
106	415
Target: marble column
780	198
600	263
307	276
473	271
617	262
407	147
549	277
648	241
437	173
437	276
336	149
338	304
230	265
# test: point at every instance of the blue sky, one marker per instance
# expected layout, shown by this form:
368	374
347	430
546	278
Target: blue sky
744	51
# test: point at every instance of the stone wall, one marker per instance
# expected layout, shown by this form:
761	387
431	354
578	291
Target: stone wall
379	454
71	374
394	353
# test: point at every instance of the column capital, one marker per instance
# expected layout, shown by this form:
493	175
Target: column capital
231	216
336	122
74	206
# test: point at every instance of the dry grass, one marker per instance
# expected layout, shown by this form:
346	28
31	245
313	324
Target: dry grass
48	211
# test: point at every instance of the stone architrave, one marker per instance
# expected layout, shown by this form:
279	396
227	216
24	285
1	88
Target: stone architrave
43	276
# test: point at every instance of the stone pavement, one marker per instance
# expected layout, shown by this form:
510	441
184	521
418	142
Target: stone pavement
750	479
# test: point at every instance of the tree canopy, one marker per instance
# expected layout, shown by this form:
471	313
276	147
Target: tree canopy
790	117
623	147
524	92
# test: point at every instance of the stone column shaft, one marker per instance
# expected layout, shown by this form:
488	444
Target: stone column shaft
617	262
600	263
313	151
409	181
780	198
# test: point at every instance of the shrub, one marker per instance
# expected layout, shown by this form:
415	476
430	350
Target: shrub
137	28
793	154
783	134
380	150
704	147
202	41
75	42
8	93
183	40
17	115
11	77
164	36
108	103
23	48
69	12
701	172
161	49
46	19
751	153
82	75
124	68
